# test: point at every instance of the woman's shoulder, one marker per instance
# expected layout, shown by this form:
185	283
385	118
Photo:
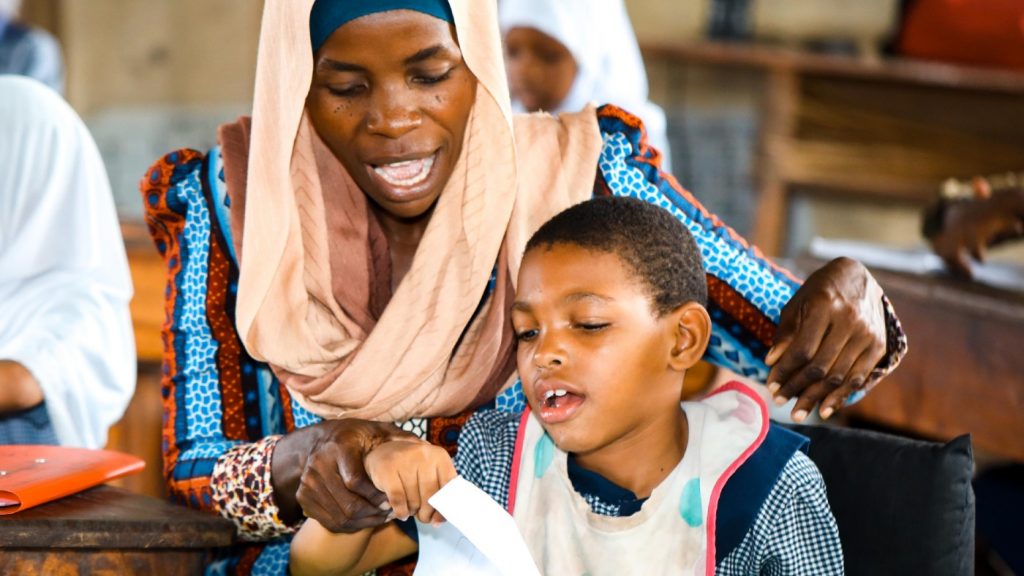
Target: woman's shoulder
169	172
186	186
624	137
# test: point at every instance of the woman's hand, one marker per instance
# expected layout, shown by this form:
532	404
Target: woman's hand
409	472
317	471
970	227
831	335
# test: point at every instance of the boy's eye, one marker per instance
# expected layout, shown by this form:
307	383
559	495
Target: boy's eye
592	326
526	335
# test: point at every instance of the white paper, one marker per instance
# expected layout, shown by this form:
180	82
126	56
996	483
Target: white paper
479	537
916	261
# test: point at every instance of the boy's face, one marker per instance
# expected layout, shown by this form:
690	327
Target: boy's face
541	70
594	358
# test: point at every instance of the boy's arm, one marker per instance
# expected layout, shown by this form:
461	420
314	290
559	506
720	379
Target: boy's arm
409	472
316	550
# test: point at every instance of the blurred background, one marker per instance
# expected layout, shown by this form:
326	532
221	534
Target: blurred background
789	118
813	127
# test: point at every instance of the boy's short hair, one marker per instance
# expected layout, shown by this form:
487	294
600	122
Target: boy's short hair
650	240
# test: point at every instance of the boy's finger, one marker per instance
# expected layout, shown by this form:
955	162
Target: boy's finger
445	474
426	513
399	503
429	485
410	485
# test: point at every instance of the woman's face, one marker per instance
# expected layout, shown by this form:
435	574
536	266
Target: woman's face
541	70
391	97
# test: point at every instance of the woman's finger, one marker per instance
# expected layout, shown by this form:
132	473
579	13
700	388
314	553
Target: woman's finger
325	498
820	365
810	331
352	474
789	324
860	373
810	398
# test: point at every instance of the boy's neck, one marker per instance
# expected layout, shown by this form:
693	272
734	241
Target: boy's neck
642	461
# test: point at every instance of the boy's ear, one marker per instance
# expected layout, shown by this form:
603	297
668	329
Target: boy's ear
692	330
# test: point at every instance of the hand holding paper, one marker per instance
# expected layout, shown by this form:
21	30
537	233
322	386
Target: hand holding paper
479	537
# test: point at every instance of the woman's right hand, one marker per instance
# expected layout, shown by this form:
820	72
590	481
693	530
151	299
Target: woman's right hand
318	472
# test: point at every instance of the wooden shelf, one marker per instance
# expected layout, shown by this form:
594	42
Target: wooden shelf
888	130
897	70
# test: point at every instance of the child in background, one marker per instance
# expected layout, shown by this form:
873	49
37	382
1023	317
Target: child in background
562	55
605	472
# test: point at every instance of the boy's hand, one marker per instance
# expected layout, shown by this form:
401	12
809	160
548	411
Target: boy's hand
409	472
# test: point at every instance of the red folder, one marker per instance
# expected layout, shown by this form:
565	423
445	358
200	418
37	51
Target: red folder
32	475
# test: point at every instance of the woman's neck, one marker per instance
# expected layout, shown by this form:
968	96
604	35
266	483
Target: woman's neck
403	236
642	461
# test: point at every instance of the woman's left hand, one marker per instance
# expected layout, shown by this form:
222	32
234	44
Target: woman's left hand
831	335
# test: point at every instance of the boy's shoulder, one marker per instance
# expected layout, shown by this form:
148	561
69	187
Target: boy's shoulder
749	489
487	445
792	528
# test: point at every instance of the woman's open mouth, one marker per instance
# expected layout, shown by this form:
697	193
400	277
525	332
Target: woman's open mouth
407	173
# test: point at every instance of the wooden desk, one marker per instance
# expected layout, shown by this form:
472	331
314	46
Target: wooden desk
964	371
878	131
108	530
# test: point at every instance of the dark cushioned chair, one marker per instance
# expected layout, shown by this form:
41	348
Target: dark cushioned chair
903	506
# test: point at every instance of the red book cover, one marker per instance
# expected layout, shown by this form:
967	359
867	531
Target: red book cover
32	475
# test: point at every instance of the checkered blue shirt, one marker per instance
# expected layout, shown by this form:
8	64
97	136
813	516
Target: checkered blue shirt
794	532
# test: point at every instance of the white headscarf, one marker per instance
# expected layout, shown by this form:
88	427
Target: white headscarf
600	37
64	282
10	9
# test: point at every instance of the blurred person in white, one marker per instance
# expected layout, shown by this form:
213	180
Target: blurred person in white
562	54
28	51
67	350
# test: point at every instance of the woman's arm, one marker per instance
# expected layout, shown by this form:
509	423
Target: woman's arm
234	443
762	315
203	382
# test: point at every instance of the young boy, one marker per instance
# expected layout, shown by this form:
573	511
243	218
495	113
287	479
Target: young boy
605	472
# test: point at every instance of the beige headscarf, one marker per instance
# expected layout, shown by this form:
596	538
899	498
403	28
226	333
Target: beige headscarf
310	253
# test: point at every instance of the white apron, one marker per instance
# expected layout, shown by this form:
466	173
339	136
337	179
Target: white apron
673	533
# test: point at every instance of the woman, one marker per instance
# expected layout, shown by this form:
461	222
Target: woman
378	205
563	55
67	354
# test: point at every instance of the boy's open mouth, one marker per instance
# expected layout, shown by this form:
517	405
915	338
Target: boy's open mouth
558	405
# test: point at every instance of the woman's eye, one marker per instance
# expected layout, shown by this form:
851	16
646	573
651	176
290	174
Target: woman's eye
432	78
347	91
526	335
